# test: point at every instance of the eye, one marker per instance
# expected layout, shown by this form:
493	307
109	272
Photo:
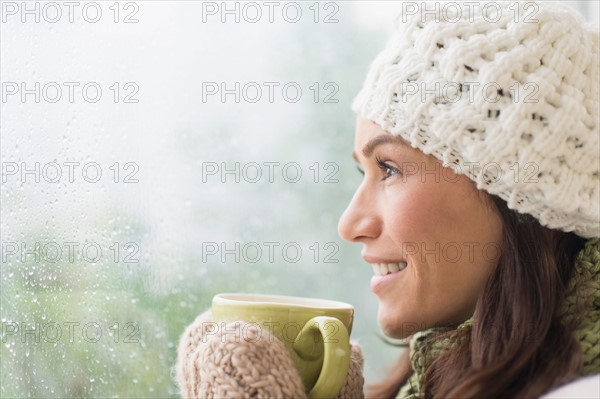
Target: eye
387	169
360	170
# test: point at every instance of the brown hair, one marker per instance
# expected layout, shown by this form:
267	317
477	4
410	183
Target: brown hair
518	346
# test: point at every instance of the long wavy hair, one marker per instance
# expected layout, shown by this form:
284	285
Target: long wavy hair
518	346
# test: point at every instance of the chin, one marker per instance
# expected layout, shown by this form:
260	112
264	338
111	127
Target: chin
389	325
394	326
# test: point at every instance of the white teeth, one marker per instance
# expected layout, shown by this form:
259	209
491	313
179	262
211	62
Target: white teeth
381	269
393	267
375	269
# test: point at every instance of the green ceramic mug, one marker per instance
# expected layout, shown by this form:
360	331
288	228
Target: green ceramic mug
316	332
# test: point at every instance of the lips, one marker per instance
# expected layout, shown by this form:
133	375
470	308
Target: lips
385	271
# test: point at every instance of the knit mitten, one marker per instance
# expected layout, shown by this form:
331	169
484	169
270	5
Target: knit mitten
218	364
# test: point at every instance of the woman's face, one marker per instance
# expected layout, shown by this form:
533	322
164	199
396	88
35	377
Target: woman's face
410	209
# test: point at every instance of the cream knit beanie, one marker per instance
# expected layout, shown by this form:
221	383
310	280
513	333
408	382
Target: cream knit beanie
505	93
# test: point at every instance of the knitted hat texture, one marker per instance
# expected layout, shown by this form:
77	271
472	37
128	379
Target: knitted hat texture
505	93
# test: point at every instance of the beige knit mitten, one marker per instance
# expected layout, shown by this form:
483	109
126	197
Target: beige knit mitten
215	365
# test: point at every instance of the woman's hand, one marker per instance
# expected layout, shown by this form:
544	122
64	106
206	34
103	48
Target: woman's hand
229	364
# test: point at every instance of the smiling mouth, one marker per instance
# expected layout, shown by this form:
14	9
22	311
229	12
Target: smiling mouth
381	269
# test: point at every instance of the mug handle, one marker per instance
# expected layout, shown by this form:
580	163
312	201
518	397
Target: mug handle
336	354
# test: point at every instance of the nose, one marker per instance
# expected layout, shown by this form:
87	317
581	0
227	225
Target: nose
360	221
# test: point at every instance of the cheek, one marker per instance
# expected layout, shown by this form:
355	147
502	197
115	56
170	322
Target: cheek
417	214
439	214
433	223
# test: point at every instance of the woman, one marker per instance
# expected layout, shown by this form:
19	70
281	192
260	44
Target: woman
478	139
516	299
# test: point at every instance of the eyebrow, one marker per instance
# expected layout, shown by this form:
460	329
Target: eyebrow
376	141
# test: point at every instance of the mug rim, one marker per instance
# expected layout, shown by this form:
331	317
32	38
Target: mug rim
249	299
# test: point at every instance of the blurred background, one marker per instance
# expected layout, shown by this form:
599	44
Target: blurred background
156	153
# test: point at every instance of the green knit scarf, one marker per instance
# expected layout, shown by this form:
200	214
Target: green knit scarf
583	292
